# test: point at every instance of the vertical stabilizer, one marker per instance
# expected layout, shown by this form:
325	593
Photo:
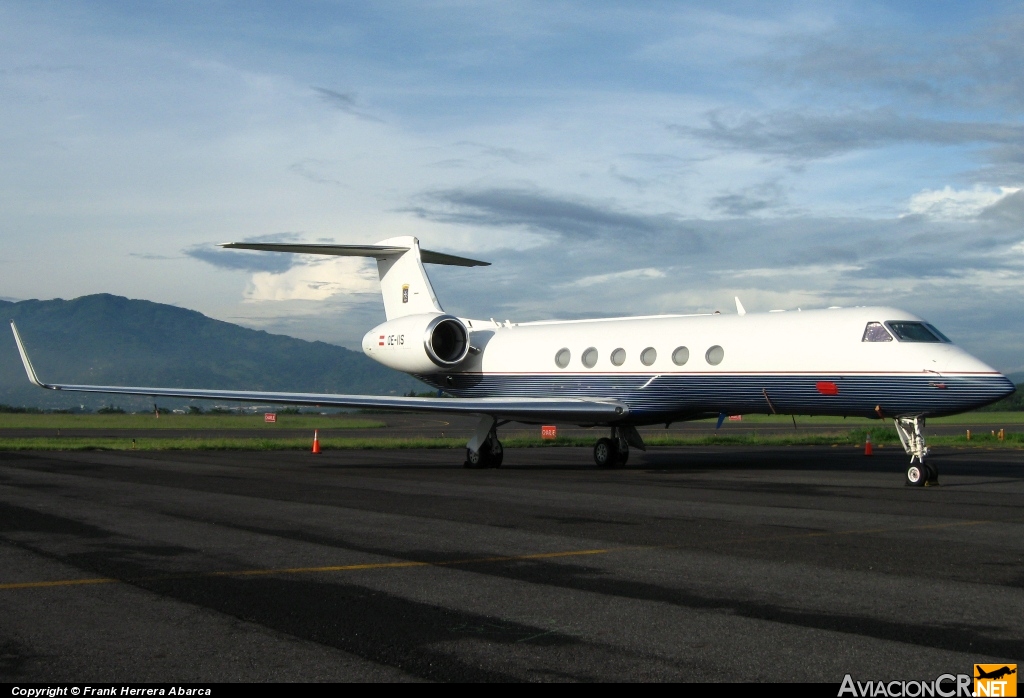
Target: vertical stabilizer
403	281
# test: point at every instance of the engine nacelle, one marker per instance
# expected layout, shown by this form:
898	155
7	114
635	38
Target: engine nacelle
418	343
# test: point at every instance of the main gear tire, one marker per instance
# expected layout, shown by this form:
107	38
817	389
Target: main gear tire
604	453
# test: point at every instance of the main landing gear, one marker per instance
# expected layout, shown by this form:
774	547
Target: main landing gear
911	432
614	452
484	450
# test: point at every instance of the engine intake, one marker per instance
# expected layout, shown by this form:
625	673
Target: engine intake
446	341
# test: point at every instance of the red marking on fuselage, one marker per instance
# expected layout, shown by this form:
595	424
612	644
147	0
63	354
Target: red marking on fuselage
827	388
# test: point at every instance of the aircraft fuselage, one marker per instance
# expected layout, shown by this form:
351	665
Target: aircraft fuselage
664	368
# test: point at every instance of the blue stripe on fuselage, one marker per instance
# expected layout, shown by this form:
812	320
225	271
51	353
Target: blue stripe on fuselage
680	394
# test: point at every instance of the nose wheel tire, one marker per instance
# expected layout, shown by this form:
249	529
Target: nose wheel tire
922	475
917	475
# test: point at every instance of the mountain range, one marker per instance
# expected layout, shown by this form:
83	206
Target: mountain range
111	340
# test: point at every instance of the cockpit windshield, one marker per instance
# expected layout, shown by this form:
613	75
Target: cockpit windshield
874	332
914	332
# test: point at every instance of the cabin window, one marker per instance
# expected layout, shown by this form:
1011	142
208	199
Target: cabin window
590	357
562	358
618	357
648	356
680	356
874	332
715	355
912	332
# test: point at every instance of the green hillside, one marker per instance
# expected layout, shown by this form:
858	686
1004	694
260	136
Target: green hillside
111	340
1014	403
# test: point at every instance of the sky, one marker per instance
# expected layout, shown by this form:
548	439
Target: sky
607	158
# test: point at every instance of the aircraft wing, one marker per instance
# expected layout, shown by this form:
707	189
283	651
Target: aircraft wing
573	410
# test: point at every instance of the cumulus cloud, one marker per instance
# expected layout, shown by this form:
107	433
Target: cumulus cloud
963	204
319	280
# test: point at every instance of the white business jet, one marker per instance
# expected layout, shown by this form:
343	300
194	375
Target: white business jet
621	373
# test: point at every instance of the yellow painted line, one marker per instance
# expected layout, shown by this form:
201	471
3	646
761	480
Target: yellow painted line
470	561
312	570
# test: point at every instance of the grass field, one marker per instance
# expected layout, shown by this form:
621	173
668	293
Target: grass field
849	432
186	421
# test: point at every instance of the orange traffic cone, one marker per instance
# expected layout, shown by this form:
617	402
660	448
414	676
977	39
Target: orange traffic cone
316	441
868	451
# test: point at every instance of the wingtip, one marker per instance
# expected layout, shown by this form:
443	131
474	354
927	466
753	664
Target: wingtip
26	362
740	310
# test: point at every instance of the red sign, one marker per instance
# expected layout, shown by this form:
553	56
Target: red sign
381	341
828	388
735	417
270	417
549	432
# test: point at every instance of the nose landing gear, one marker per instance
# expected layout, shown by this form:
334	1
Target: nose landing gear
911	433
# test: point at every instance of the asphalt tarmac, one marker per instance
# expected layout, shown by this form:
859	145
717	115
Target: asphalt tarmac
712	564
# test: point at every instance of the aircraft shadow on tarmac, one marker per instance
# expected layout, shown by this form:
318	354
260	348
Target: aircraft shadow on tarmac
695	461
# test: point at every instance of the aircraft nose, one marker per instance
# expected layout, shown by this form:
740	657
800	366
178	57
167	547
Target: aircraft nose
1009	388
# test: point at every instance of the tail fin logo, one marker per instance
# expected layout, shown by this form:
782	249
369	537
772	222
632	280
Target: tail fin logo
405	293
995	680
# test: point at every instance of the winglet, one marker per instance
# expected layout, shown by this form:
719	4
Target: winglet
25	360
740	310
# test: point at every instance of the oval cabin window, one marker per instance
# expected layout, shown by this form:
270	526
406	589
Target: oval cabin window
618	357
590	357
715	355
648	356
562	358
680	356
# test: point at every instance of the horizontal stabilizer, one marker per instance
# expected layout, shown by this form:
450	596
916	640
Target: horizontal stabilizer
375	251
528	409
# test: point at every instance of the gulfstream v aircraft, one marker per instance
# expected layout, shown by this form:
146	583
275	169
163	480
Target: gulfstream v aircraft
622	373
